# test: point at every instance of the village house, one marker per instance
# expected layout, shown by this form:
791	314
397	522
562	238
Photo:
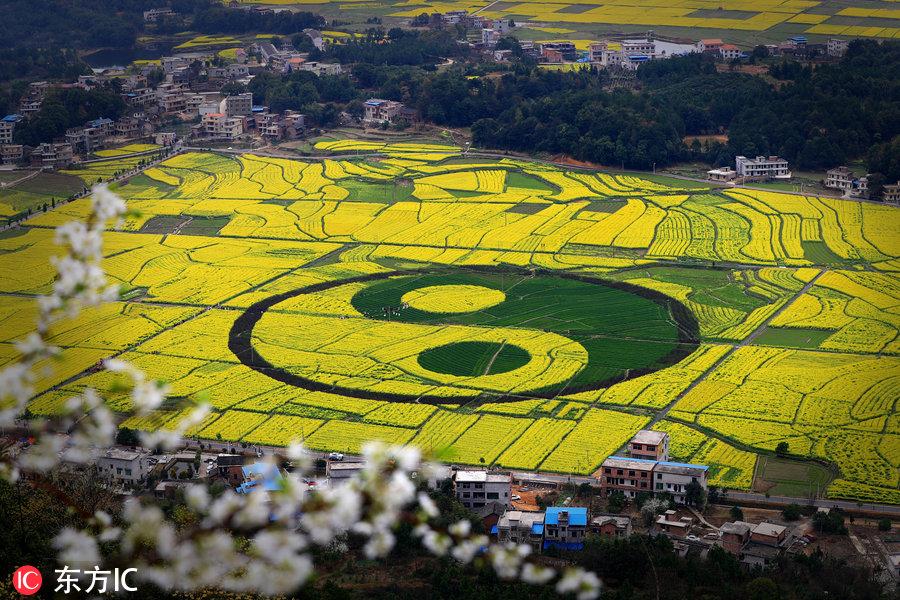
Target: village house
521	527
220	125
710	45
260	475
11	153
558	52
7	126
674	478
237	105
611	526
165	138
476	488
837	47
565	527
51	156
722	174
730	52
378	111
762	167
154	14
124	466
891	193
630	476
339	473
229	468
733	536
673	526
649	444
842	178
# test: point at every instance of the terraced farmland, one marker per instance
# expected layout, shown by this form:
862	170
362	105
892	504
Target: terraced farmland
502	312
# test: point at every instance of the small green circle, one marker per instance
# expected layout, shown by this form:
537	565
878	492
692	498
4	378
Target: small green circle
474	359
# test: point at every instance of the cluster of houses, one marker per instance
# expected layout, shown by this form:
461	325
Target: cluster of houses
644	470
190	92
775	168
493	496
625	52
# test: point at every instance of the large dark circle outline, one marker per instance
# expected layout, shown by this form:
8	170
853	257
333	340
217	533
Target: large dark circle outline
240	337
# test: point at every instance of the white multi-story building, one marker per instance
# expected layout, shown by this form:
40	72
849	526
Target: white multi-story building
842	178
476	488
673	478
762	167
837	47
521	527
221	126
7	126
127	466
730	52
379	111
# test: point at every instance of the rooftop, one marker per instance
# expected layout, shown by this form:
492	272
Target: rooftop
769	529
738	527
481	477
624	462
521	518
117	454
648	436
604	519
577	515
677	468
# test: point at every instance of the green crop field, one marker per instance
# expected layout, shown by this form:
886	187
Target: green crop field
494	311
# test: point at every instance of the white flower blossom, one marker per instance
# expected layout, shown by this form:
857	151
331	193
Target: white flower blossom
536	574
76	547
584	584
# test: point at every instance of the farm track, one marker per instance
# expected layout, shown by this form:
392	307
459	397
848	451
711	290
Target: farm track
753	335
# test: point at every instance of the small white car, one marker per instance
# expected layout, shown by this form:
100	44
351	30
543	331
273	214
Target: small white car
516	498
335	456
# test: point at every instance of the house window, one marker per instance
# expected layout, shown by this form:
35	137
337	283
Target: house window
607	470
493	496
466	495
659	486
651	448
620	472
644	474
659	475
637	446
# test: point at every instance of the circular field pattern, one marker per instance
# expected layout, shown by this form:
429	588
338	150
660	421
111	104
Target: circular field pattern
551	333
474	358
446	299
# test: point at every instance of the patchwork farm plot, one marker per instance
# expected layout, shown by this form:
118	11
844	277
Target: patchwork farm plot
503	312
743	20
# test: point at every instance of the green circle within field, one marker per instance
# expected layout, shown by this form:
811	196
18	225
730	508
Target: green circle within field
450	299
473	359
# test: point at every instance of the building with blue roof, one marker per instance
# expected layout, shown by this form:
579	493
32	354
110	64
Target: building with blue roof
7	125
565	527
260	475
632	476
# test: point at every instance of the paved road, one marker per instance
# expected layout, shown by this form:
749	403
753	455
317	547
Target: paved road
846	505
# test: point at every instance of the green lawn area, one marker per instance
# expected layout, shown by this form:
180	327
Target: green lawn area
36	192
792	338
784	477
